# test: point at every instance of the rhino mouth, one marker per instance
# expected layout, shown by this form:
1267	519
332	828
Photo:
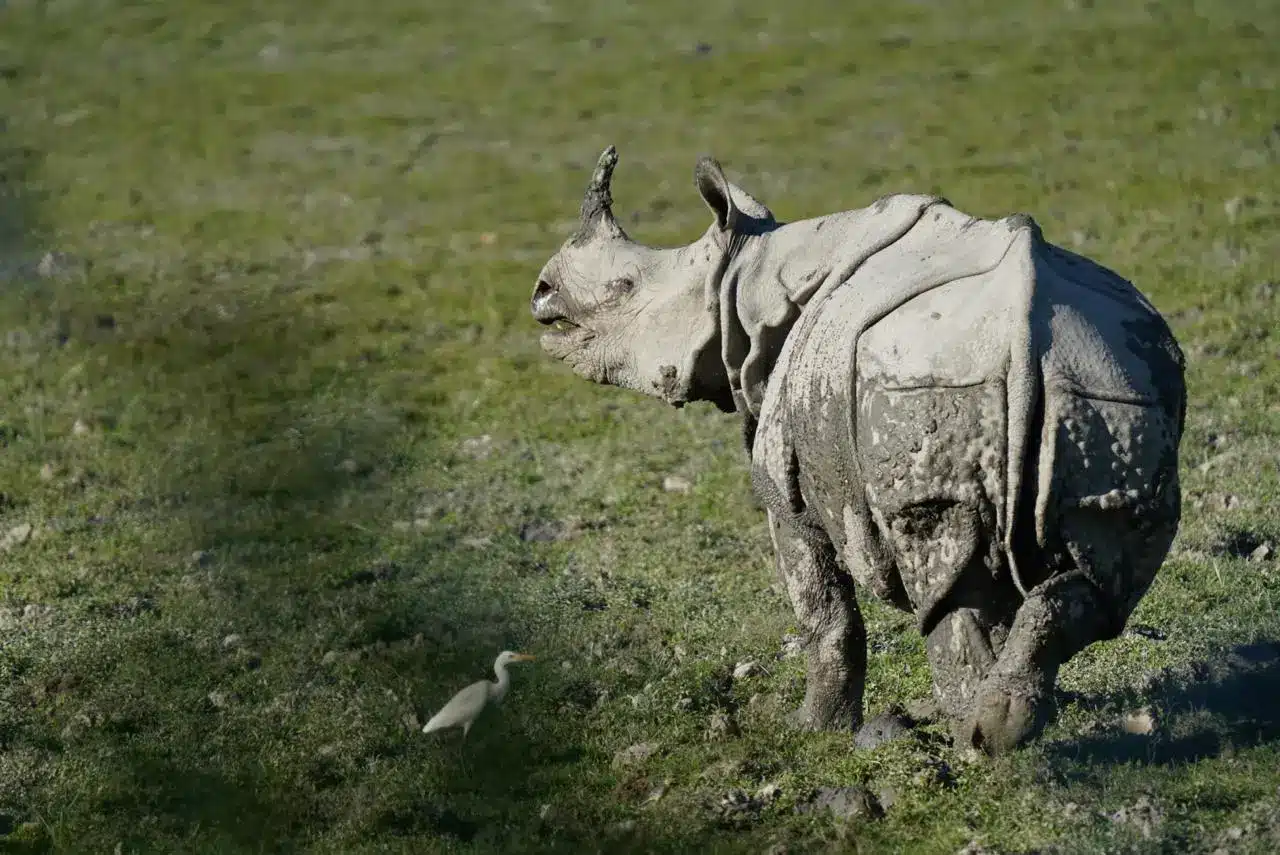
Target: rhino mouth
565	337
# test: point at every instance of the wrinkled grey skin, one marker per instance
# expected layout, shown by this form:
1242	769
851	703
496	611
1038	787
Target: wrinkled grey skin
950	413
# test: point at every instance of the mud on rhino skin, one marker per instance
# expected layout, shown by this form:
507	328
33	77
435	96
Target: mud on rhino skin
947	412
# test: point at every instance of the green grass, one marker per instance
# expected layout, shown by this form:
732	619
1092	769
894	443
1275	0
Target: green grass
293	246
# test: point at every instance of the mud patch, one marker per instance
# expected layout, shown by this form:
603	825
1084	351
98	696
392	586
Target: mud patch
842	802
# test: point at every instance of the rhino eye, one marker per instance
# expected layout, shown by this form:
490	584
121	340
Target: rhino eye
620	286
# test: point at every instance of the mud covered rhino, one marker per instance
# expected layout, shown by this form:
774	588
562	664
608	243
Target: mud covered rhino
969	422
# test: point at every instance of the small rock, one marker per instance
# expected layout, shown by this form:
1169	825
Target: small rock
843	802
233	640
1140	723
635	754
676	484
745	669
544	812
410	722
349	466
476	542
546	531
200	558
330	657
48	472
1262	553
885	727
218	699
656	793
402	526
80	428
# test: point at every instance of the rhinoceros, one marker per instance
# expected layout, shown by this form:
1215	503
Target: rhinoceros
949	412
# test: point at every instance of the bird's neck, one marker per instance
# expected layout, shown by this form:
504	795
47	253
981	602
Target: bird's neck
498	690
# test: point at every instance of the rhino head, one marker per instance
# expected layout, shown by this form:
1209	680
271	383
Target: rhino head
644	318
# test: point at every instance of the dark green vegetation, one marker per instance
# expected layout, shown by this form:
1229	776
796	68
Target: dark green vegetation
295	469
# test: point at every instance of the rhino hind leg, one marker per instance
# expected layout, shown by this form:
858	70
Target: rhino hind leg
1058	619
962	648
1114	505
826	607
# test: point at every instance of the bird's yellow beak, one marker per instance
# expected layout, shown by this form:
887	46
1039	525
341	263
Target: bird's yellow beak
522	657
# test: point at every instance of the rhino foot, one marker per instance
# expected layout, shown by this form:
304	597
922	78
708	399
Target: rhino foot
1013	704
1006	714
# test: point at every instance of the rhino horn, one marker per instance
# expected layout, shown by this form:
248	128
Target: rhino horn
597	204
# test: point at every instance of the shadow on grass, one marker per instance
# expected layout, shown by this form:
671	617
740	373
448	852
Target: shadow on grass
236	655
233	479
1203	710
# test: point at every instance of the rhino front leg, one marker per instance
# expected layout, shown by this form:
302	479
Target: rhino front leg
826	607
1058	619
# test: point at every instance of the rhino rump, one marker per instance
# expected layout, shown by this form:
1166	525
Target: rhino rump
1015	413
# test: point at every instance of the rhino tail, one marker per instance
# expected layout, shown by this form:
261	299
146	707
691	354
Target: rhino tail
1025	404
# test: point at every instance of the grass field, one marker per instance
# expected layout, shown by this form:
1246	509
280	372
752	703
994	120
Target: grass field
282	466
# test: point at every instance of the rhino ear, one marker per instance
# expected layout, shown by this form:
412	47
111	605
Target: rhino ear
750	206
715	191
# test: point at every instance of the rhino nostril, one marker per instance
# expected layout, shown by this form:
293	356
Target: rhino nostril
546	305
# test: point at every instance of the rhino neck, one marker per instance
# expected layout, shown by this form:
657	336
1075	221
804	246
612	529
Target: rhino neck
772	278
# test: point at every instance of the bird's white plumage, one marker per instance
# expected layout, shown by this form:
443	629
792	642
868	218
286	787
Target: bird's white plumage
465	707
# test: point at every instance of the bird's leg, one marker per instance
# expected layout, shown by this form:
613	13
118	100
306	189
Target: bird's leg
462	754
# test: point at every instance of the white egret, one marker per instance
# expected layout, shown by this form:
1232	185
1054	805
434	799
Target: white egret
463	709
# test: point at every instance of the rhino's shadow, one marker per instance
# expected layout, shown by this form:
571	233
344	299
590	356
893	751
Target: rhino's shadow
1204	709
